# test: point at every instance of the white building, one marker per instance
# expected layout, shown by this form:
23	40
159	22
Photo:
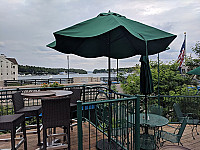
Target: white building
8	68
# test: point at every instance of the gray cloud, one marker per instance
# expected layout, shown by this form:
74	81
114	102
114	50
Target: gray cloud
27	26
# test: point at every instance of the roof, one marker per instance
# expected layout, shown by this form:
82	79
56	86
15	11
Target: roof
13	60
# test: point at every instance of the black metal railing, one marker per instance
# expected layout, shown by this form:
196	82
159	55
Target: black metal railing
115	120
37	81
6	106
98	95
188	104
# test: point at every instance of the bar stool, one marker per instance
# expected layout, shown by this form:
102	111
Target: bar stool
10	122
28	111
56	113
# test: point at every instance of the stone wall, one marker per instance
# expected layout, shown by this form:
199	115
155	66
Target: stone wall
86	79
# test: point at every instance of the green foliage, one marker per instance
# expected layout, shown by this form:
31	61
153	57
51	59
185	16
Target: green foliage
99	71
171	81
128	70
131	84
192	63
196	49
54	84
42	70
114	88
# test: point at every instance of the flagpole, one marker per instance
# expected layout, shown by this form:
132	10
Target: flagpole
185	46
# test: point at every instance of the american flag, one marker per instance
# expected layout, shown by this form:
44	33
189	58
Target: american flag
181	55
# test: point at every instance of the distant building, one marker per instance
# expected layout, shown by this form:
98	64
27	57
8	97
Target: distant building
8	68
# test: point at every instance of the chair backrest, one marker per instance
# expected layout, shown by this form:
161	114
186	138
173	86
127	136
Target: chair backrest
178	111
18	101
181	129
76	95
55	112
155	109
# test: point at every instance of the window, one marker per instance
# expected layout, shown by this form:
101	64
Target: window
13	66
13	72
7	73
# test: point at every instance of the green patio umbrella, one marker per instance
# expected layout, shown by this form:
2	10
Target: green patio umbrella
112	35
195	71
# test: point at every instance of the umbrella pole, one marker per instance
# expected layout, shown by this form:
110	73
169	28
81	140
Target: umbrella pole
109	96
145	102
109	78
117	69
108	143
158	80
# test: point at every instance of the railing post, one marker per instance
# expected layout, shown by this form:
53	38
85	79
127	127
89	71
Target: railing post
137	123
72	80
159	99
80	132
5	82
84	92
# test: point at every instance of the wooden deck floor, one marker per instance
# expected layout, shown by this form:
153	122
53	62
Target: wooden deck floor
187	139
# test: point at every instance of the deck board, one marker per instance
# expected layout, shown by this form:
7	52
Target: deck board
187	139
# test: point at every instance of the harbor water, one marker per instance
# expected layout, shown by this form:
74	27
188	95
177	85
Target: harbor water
64	76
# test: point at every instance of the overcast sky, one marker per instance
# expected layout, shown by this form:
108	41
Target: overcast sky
27	26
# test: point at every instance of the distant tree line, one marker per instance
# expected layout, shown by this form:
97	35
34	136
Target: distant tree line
42	70
128	70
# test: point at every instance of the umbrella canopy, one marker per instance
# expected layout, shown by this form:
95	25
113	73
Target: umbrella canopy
195	71
111	35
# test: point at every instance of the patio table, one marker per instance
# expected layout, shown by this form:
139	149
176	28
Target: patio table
147	141
40	94
152	120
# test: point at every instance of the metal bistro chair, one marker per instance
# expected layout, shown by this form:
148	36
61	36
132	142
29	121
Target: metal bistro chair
10	122
28	111
119	127
56	113
173	137
190	120
73	105
148	141
155	109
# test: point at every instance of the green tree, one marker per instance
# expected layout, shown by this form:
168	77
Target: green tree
192	63
131	84
42	70
171	81
196	49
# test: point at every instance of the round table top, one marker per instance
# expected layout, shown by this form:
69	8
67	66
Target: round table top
153	120
60	93
56	93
